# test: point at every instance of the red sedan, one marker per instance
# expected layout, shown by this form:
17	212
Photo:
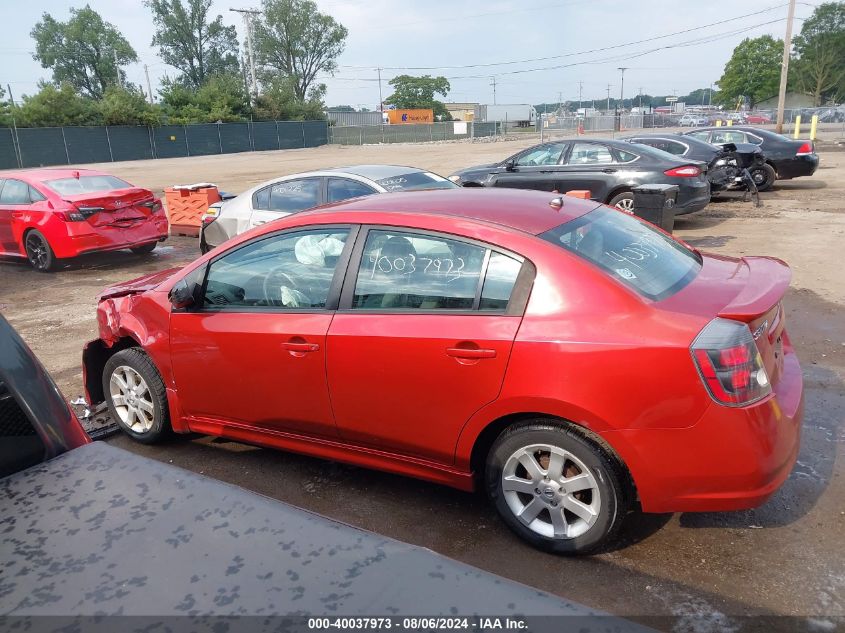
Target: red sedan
572	360
51	214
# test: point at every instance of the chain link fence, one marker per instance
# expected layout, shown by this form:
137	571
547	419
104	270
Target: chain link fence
412	133
40	147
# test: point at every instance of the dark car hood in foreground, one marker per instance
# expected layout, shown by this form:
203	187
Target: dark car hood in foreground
100	530
138	285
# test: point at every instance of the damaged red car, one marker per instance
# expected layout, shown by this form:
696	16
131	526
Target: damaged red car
574	362
48	215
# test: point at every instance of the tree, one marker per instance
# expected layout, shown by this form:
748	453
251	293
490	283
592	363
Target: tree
296	40
221	98
55	107
82	51
126	106
418	92
819	69
187	40
279	102
753	71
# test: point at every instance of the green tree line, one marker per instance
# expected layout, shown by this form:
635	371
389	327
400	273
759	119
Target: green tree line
293	45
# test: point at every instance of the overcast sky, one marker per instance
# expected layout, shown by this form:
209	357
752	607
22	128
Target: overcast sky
471	33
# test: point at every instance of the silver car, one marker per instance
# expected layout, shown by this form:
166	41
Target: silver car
279	197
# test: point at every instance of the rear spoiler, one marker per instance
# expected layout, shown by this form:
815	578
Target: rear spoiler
766	282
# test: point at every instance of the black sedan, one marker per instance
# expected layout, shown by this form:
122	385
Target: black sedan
788	157
692	148
609	170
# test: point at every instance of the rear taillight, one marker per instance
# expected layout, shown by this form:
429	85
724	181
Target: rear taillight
688	171
805	150
730	363
79	213
154	206
71	216
210	215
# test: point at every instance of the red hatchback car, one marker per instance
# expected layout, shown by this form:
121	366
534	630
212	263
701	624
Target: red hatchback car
573	360
51	214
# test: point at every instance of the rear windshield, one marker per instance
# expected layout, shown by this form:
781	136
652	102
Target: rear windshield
86	184
416	180
633	252
659	154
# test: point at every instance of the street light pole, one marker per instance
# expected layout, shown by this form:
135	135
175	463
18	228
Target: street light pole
784	68
622	88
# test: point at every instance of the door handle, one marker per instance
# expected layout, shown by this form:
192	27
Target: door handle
609	171
259	222
301	347
462	352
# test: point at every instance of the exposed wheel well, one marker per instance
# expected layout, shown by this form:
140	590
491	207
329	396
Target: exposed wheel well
94	359
485	440
616	192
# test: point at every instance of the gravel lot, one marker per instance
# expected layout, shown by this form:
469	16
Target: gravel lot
704	570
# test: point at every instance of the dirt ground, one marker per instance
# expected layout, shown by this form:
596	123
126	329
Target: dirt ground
706	571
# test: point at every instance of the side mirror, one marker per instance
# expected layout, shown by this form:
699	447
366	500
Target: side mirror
510	165
183	294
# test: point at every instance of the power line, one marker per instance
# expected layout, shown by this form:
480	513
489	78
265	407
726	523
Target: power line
585	52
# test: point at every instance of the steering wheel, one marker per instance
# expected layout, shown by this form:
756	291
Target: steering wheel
271	287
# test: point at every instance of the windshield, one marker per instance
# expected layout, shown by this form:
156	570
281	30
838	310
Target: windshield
86	184
632	252
416	180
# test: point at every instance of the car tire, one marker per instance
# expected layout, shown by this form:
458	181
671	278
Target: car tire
535	503
39	252
764	176
136	396
623	201
144	249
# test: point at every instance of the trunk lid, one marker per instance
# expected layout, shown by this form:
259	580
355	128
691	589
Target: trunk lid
748	289
119	207
138	285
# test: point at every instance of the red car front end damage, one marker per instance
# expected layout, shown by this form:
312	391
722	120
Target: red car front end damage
697	391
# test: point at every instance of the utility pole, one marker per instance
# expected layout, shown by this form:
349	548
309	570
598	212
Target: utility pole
710	96
560	102
11	96
380	100
493	83
149	88
608	97
640	94
580	87
622	89
784	68
248	15
117	69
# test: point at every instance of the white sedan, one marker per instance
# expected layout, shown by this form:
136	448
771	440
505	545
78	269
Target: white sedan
279	197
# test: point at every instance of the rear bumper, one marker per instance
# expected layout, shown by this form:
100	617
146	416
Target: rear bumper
83	238
692	197
797	167
731	459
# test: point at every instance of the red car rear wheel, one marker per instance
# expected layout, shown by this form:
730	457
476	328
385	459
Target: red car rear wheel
38	252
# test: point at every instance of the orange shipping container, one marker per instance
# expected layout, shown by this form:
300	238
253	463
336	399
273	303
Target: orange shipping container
410	116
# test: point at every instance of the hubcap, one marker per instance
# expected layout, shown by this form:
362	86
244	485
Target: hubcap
132	399
759	177
36	250
626	205
551	491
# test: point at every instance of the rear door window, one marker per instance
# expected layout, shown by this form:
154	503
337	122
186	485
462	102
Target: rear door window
345	188
15	192
402	271
632	252
289	196
590	154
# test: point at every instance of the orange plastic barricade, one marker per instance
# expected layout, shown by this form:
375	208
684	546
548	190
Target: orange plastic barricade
579	193
185	206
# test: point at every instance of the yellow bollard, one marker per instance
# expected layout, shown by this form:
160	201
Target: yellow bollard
797	129
730	122
814	124
718	122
